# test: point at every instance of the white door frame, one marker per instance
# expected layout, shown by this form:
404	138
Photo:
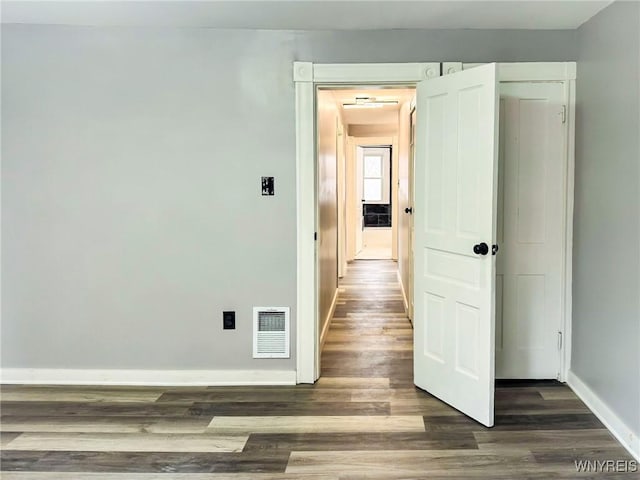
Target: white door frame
307	76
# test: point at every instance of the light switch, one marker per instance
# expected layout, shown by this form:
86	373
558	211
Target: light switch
267	186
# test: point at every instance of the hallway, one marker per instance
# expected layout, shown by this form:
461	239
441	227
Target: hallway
370	335
362	419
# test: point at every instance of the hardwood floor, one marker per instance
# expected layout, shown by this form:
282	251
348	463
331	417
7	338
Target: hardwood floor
362	419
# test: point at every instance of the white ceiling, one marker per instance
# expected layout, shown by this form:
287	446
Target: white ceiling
308	14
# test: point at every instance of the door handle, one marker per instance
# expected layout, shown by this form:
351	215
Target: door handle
481	248
408	210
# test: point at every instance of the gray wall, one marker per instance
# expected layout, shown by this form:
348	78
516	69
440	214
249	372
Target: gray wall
131	164
606	263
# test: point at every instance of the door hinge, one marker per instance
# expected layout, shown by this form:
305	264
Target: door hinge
315	235
564	114
559	340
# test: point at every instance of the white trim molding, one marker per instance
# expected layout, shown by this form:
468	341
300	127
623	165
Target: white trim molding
306	336
217	378
384	73
451	67
532	71
302	71
567	274
608	417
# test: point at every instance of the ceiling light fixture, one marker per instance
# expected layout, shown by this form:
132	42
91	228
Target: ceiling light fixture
363	105
369	102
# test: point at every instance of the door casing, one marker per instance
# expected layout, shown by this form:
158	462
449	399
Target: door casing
307	77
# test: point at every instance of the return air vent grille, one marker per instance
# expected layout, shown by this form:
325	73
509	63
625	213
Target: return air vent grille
271	332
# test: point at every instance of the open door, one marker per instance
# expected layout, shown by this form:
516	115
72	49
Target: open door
411	246
455	227
359	198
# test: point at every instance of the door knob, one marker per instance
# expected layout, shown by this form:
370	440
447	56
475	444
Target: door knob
481	248
408	210
494	249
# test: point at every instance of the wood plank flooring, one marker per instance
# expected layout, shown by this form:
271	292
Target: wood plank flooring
362	419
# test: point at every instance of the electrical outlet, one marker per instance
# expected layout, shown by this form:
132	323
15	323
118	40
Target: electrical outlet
229	320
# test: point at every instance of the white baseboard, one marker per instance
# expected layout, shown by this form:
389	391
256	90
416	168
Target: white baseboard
55	376
614	424
327	323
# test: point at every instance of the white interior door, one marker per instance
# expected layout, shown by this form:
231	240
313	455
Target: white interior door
359	196
530	230
455	227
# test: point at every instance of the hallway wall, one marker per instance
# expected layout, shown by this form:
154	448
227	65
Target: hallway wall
404	219
327	243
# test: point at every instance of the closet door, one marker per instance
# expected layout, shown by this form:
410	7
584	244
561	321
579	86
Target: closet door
530	230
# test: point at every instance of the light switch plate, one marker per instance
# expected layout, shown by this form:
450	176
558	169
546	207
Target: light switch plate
268	186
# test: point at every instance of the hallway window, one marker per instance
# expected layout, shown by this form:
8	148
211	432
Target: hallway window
372	178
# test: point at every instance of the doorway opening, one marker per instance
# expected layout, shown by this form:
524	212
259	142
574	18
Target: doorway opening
377	202
364	211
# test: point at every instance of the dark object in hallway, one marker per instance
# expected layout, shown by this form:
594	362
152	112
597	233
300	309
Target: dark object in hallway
376	214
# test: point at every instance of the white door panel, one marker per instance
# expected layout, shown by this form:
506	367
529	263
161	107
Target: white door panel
530	230
455	209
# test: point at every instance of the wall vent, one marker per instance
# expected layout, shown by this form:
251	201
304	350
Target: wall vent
271	332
